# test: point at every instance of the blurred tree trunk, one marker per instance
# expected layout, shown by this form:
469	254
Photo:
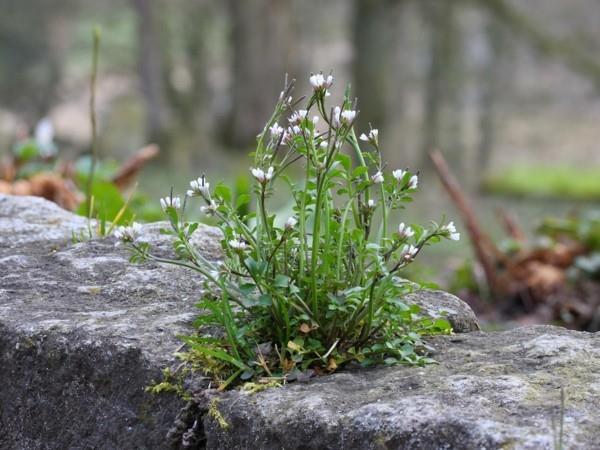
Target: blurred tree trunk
376	26
185	72
494	82
442	122
150	68
260	47
34	40
307	30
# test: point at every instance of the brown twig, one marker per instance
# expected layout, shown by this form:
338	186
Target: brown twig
133	165
483	246
512	227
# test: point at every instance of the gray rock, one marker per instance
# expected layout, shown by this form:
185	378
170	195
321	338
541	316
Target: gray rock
441	304
488	391
83	332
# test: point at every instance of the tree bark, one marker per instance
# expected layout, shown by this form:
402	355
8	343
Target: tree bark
150	69
494	81
260	38
442	122
376	38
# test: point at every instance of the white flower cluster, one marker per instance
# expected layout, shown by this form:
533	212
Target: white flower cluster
399	174
262	176
170	202
298	116
345	117
377	178
290	223
237	244
413	181
372	137
128	234
405	231
409	252
276	131
199	187
450	232
320	82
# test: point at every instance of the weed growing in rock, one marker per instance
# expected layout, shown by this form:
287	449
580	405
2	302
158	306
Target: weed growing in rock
306	294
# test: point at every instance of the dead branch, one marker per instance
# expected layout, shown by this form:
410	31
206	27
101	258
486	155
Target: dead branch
133	165
512	227
483	246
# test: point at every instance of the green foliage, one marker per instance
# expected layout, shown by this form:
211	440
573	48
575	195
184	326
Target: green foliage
26	150
108	203
584	229
321	289
555	182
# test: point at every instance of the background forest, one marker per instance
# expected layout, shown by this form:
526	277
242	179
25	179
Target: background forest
506	89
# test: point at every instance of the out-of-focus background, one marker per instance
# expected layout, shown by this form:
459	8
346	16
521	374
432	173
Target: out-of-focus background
508	91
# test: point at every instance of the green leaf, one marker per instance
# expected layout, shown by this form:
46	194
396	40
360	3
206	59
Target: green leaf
360	171
242	200
108	201
265	300
223	192
281	281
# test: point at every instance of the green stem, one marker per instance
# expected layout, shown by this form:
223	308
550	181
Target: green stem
316	242
341	237
95	54
384	212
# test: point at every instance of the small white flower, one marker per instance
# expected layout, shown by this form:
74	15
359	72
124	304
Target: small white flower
269	174
319	82
405	231
199	187
294	130
290	223
315	120
348	116
450	231
336	116
209	209
128	234
378	178
450	227
298	116
276	130
371	203
409	252
261	176
237	244
371	137
399	174
413	182
170	202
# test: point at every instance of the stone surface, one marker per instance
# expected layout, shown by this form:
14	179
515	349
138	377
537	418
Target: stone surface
489	391
83	332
